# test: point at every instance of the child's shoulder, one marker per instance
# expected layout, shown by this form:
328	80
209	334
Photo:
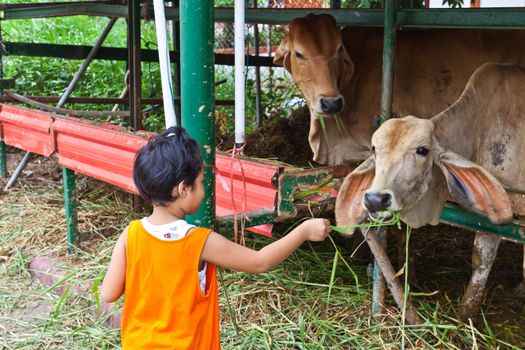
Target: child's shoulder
200	230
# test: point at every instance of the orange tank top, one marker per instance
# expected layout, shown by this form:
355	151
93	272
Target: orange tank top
164	307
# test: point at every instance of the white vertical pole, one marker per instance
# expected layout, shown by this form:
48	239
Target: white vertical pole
239	73
164	60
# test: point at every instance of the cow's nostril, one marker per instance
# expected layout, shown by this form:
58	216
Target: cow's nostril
332	105
386	199
375	201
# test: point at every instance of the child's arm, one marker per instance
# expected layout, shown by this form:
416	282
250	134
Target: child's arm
113	284
223	252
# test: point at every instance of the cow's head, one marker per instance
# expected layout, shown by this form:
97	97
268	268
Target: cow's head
409	173
314	54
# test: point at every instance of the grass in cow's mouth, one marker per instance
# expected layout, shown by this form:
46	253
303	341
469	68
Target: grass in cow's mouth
340	124
378	221
323	125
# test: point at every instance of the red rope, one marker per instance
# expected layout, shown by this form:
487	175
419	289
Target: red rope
236	152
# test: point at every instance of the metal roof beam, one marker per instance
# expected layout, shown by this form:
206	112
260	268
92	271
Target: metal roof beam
406	18
68	9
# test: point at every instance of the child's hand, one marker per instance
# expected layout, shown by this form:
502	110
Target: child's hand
315	229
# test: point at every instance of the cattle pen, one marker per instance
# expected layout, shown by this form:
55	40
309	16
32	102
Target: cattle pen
194	56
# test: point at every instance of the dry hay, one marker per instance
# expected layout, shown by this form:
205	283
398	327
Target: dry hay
285	140
286	308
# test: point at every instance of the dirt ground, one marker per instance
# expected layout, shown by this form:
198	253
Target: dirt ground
442	253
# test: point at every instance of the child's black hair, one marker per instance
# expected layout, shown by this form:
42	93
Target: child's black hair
164	162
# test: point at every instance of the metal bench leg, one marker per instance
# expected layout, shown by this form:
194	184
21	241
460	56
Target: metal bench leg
71	207
3	162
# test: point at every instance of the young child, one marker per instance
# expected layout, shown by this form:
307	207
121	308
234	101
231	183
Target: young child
167	267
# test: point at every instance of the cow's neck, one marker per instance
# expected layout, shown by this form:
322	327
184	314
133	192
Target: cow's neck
339	143
456	127
428	209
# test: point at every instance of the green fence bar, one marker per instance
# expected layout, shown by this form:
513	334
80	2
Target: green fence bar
457	216
114	53
70	9
421	18
197	102
68	177
3	161
256	217
7	83
462	18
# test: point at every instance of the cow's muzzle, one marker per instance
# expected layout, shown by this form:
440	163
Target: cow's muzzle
331	105
378	201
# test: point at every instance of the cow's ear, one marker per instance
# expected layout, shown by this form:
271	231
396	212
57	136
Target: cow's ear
349	208
474	188
282	54
347	69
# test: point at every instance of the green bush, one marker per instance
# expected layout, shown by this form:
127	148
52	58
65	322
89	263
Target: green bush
43	76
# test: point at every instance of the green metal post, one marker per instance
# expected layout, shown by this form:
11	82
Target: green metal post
197	102
134	62
176	63
389	47
68	177
389	42
3	162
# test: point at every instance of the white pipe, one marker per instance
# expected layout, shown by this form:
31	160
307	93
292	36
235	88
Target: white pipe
164	60
239	73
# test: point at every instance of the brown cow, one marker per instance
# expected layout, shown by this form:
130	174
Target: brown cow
463	151
340	73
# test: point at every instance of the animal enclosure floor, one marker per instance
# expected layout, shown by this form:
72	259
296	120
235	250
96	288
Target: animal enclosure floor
286	308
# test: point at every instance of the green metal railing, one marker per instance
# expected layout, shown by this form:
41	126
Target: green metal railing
457	216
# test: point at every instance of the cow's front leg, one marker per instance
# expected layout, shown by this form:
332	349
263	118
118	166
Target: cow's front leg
485	249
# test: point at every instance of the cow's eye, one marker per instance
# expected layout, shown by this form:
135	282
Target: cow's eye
373	150
299	55
422	151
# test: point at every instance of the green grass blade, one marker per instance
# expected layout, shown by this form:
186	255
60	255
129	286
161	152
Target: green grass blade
332	276
323	126
60	303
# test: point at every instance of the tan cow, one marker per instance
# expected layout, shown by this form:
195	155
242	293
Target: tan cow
467	151
340	73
